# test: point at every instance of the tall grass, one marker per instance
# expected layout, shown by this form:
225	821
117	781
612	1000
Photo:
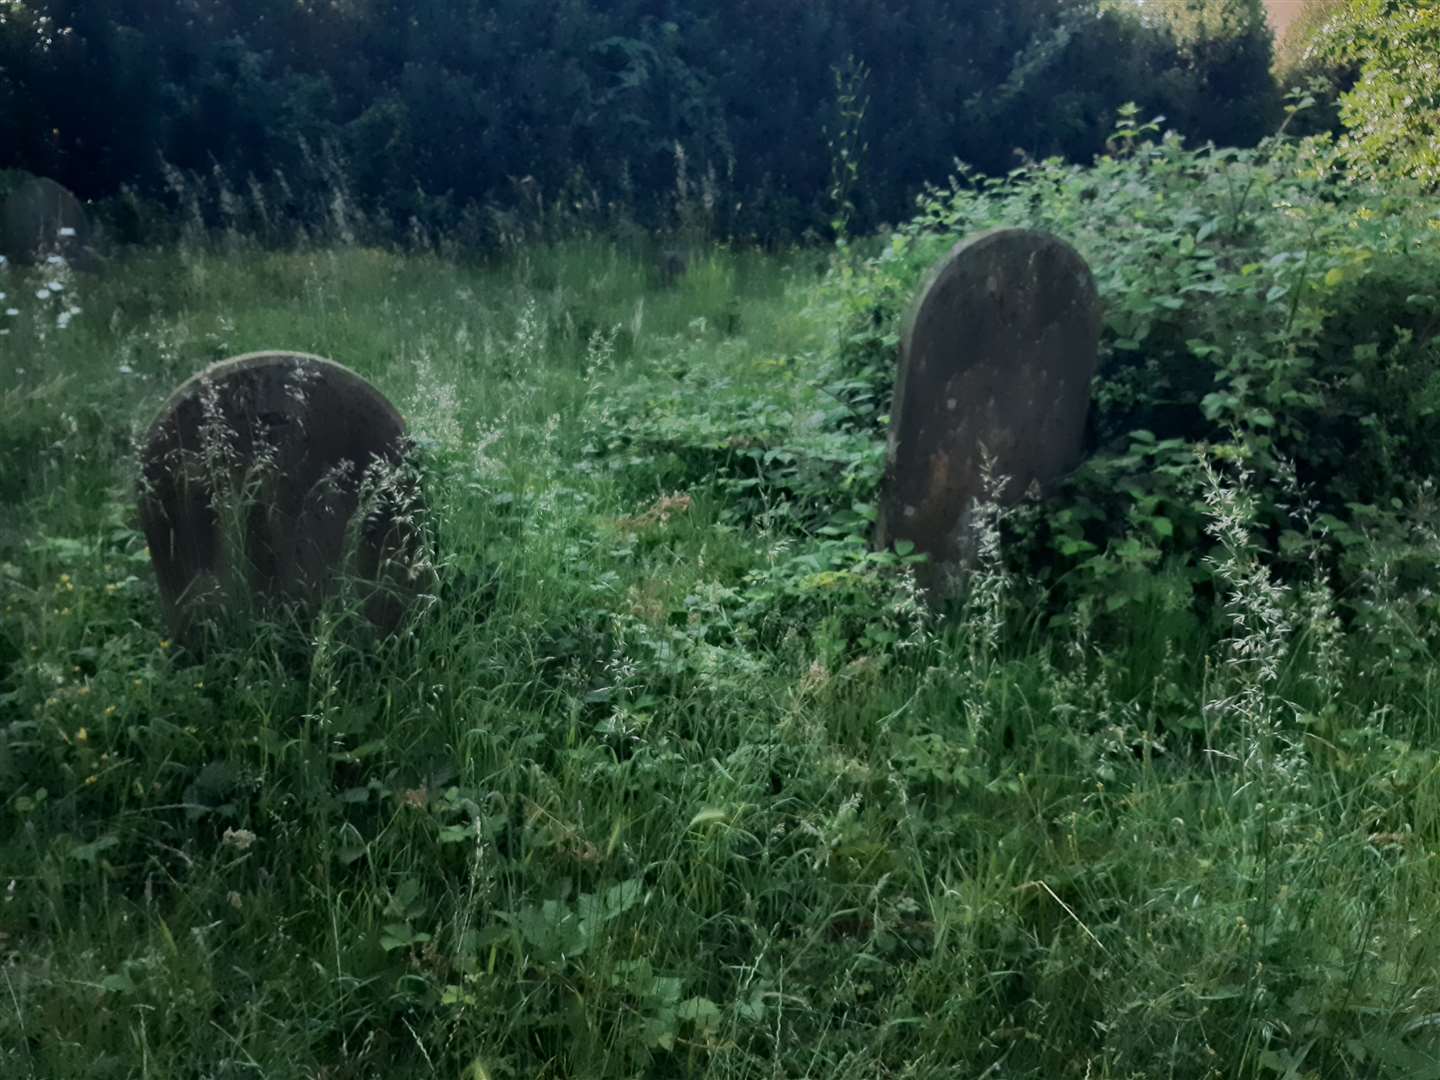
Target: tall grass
635	795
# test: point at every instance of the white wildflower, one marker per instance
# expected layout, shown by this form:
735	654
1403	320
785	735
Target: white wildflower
238	838
12	312
67	231
55	286
42	294
126	369
54	260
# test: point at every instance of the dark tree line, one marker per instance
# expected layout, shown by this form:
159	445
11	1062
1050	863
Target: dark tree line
432	105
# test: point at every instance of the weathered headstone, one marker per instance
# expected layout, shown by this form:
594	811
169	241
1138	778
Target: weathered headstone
672	265
252	477
996	359
40	216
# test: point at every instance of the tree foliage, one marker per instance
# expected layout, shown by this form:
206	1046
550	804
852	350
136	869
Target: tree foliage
1392	114
1225	49
1381	59
429	106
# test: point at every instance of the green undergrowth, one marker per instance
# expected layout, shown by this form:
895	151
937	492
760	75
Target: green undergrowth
1257	309
672	775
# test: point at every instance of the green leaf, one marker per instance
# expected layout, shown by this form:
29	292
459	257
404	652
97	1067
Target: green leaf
621	898
118	982
708	816
1070	547
396	936
700	1011
88	853
1214	404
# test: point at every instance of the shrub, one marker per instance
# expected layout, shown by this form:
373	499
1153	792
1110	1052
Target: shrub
1254	311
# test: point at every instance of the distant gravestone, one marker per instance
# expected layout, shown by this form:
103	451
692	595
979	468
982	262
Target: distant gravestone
996	359
672	265
40	216
252	475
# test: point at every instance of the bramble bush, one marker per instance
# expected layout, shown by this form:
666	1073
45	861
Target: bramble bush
1254	309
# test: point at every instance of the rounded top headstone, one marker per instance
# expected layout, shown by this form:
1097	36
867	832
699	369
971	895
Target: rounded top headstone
251	474
41	216
996	361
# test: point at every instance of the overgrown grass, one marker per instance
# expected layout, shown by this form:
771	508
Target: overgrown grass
671	777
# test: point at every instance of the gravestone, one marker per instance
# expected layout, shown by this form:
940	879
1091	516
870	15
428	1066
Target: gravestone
996	359
40	216
252	476
672	265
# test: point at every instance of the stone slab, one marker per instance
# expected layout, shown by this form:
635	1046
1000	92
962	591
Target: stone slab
31	220
996	357
251	475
